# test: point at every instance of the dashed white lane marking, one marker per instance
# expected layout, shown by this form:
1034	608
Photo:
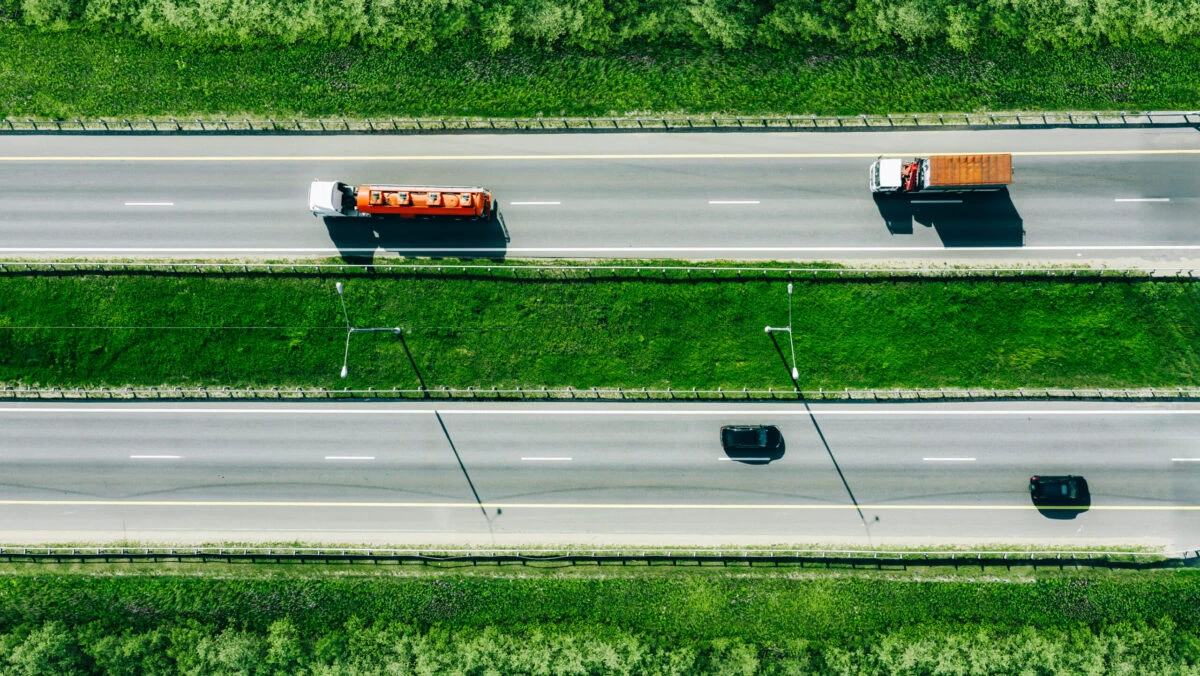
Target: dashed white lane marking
936	202
149	204
532	459
948	459
1185	459
744	459
533	204
155	457
733	202
1142	199
349	457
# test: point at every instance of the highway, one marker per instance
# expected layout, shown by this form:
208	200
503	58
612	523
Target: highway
635	474
1127	196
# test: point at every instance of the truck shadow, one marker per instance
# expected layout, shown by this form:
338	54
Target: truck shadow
970	220
359	239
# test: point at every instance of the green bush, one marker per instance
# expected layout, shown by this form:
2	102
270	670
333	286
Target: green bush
608	25
694	622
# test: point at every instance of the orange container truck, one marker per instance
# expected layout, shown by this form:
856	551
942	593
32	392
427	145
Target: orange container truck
335	198
941	173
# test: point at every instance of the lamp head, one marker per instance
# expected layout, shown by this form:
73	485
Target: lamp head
339	288
345	371
789	288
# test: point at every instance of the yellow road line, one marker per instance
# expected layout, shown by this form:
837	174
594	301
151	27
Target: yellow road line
476	158
538	505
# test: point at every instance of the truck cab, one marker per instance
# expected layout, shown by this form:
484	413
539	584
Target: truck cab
331	198
886	175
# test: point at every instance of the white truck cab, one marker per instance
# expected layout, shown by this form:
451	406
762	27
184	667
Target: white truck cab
326	198
886	174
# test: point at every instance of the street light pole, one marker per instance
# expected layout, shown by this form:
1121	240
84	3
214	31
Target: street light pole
351	329
788	330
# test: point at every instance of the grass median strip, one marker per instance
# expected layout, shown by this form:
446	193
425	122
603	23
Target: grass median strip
472	330
95	74
653	620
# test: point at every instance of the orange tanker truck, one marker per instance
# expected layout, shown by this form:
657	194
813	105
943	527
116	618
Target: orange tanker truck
334	198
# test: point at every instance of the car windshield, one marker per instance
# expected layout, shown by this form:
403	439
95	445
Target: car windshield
750	437
1057	488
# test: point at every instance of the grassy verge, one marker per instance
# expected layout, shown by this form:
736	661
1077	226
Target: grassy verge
671	621
474	331
91	74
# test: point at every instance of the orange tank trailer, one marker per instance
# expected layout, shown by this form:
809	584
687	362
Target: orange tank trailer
413	201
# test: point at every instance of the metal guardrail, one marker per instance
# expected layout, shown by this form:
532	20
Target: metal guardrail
827	558
588	271
342	125
167	393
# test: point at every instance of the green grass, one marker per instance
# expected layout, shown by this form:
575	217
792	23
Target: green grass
90	74
481	332
530	621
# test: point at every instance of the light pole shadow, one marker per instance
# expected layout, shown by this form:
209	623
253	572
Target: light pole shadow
786	367
466	474
824	442
413	362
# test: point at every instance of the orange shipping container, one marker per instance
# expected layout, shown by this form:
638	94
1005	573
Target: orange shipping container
969	170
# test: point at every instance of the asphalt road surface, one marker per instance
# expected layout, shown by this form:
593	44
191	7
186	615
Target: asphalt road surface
641	474
1079	195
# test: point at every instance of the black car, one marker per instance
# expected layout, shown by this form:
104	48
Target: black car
1059	491
751	438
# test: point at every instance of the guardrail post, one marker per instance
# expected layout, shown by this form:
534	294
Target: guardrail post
178	127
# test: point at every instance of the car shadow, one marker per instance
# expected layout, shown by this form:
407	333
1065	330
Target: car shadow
1064	512
359	239
757	457
969	220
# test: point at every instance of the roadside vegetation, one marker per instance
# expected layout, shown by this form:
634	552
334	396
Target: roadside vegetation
281	620
499	58
482	331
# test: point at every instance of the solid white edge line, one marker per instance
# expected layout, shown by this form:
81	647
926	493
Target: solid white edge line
599	249
757	412
155	457
349	457
948	459
1142	199
734	202
546	459
530	204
